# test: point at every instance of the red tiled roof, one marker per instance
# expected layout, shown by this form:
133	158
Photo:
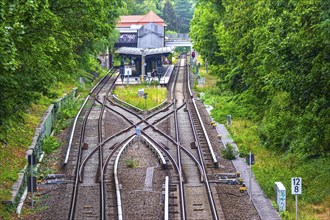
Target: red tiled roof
150	17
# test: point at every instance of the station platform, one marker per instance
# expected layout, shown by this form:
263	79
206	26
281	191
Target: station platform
135	80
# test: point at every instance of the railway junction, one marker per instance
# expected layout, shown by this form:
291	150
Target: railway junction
161	163
158	164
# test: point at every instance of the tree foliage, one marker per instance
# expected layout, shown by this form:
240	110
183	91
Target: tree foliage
184	12
275	56
47	42
176	13
169	15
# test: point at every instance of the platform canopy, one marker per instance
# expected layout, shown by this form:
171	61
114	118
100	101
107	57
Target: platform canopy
144	51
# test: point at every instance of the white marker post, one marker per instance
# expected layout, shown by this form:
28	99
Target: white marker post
296	189
250	161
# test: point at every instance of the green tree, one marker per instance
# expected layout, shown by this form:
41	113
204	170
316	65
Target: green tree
169	15
46	42
184	12
202	33
264	49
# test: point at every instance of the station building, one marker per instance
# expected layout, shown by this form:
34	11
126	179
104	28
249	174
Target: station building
141	45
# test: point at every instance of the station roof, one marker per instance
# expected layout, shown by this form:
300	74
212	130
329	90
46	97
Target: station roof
150	17
144	51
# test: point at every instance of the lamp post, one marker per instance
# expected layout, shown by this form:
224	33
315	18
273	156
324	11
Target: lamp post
142	64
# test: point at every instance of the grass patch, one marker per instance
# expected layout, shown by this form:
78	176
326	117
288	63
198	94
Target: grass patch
156	95
50	144
272	166
132	163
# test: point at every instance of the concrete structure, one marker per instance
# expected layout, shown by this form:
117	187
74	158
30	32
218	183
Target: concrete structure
151	36
141	45
142	31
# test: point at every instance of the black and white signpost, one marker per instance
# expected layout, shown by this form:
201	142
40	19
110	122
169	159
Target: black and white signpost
32	180
296	189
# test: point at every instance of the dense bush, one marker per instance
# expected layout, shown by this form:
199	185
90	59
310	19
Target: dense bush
44	43
274	57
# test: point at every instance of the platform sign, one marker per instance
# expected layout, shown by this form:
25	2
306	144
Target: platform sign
128	72
296	185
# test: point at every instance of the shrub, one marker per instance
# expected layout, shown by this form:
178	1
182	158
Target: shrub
229	152
49	144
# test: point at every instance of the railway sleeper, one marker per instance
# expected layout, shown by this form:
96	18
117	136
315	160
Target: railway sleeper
173	209
207	159
173	187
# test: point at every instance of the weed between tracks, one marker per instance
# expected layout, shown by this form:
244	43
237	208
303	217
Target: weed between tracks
132	163
156	95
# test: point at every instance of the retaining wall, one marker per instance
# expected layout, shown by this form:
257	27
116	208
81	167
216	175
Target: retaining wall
44	128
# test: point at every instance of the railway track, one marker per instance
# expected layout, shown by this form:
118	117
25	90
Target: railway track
88	189
151	165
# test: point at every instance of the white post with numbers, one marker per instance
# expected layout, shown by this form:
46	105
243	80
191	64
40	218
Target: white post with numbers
296	189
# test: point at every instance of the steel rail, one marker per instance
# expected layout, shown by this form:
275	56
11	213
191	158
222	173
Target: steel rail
156	149
214	158
142	131
176	123
81	169
166	200
82	137
77	116
73	129
206	182
102	197
75	189
162	133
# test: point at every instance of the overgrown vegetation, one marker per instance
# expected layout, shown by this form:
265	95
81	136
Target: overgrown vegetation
271	59
46	44
155	95
50	144
271	166
45	48
67	114
176	13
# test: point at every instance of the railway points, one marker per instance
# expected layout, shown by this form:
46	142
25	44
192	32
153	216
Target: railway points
171	169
